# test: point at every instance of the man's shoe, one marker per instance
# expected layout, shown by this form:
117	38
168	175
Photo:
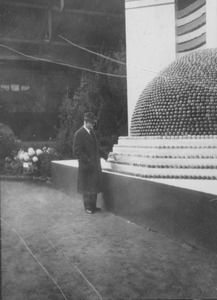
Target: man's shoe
97	209
89	211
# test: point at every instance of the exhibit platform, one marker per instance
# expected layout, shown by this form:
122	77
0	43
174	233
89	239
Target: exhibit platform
186	210
167	184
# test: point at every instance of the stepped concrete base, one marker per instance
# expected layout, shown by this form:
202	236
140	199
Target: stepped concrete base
183	209
164	157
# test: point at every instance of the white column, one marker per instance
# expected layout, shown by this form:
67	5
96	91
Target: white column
150	43
211	23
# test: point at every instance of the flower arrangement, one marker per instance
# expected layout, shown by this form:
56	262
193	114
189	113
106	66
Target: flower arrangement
31	162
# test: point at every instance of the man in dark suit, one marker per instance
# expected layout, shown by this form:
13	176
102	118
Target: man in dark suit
88	153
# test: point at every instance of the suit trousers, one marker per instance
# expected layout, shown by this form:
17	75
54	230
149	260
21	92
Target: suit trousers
89	201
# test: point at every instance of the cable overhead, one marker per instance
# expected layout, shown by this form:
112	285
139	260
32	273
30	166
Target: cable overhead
62	64
106	57
166	77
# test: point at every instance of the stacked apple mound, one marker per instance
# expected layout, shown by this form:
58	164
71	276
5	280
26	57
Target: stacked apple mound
181	100
174	124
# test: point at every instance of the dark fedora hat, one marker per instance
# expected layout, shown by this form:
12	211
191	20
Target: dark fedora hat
90	117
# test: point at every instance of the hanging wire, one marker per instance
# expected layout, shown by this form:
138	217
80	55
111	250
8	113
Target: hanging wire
107	57
160	74
61	63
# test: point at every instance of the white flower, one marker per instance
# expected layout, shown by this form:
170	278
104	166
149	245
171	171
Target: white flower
25	165
31	152
26	157
20	155
35	159
38	152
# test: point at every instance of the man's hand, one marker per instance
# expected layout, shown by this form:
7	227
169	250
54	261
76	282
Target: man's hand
112	157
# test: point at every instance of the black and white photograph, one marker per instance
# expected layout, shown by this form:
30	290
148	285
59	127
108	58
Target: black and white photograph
108	149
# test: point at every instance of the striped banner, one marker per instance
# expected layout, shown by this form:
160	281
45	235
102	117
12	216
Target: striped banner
190	25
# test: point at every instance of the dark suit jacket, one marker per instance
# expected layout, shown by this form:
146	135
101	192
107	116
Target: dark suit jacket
88	153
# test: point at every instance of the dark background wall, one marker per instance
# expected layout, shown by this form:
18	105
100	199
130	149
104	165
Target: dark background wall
38	68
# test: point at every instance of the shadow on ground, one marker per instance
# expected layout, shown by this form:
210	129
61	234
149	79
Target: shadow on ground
52	250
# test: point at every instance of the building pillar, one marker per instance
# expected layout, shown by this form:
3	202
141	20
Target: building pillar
150	43
211	23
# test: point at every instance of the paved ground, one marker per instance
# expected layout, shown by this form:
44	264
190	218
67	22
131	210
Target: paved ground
52	250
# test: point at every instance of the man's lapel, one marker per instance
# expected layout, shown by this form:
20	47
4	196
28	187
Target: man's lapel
93	136
90	136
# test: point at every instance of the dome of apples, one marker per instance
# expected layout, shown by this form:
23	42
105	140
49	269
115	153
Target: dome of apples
181	100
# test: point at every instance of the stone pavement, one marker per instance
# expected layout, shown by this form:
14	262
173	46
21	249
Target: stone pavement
52	250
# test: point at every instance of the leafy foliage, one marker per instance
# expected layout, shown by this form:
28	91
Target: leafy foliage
31	162
8	144
12	166
44	163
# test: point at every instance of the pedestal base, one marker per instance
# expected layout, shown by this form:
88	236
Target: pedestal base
185	214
